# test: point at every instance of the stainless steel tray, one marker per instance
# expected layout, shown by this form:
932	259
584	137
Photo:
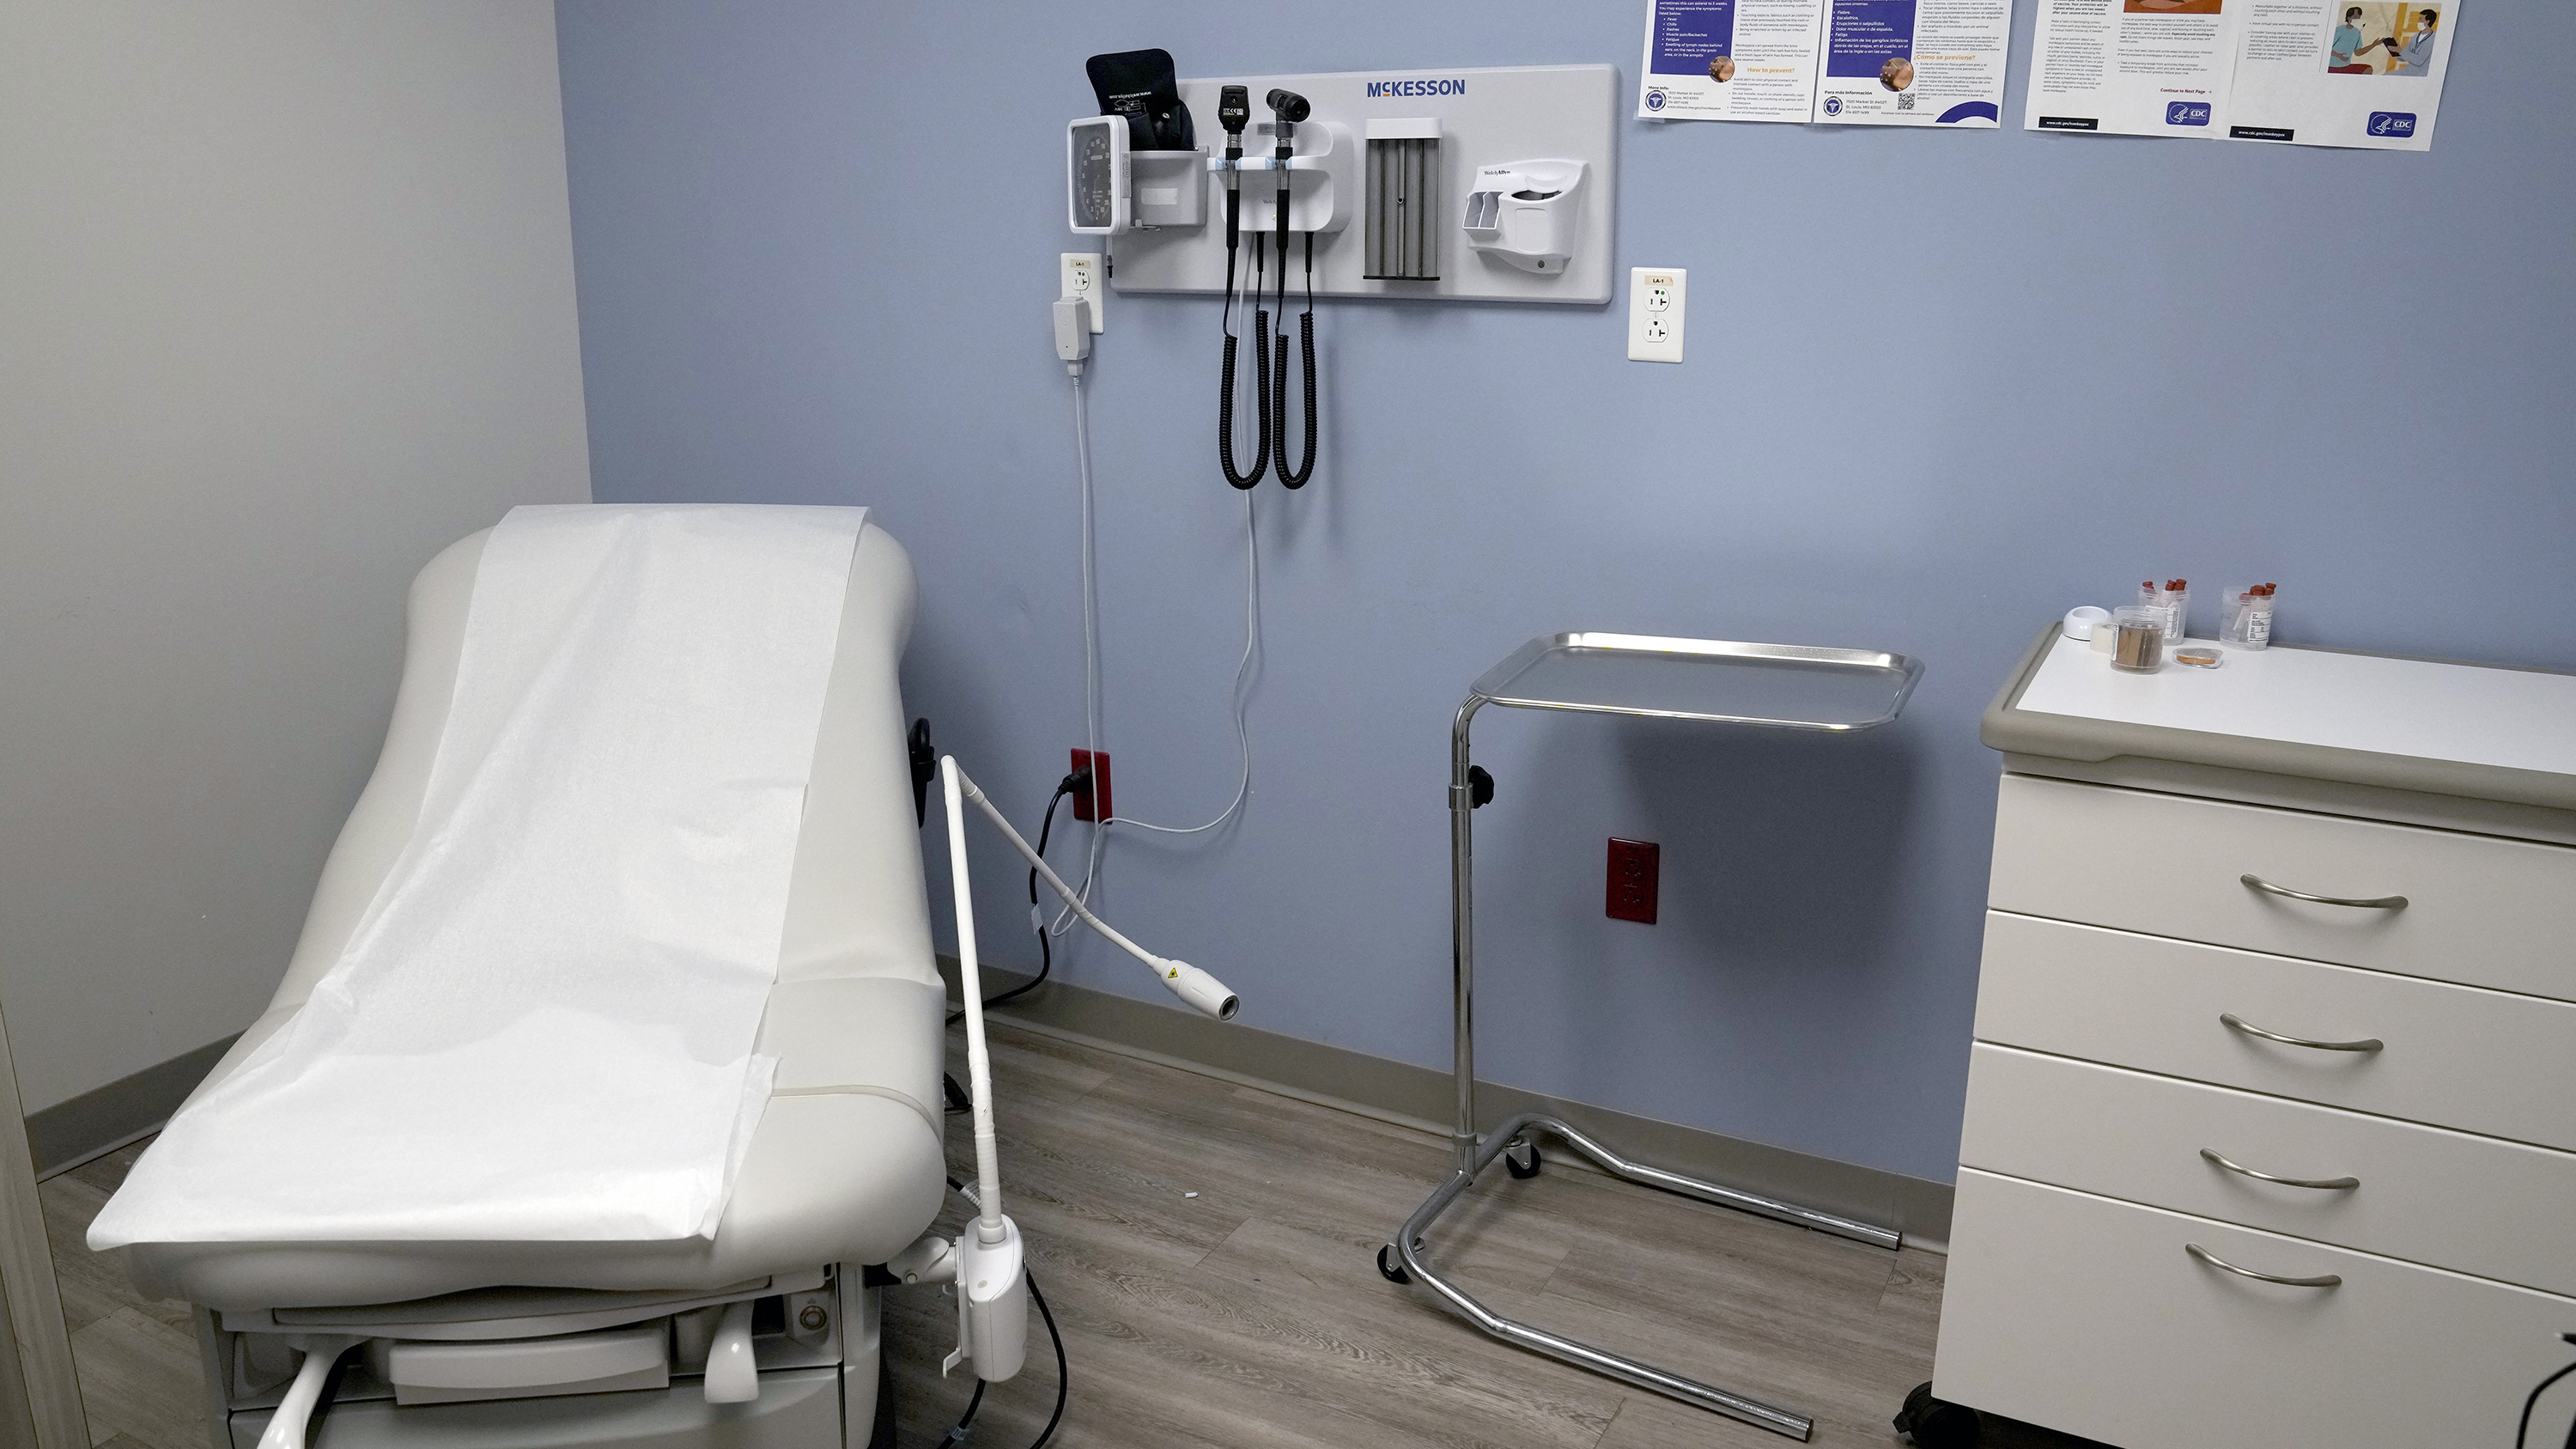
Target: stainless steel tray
1783	686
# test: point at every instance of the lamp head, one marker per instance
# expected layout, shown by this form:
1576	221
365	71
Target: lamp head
1203	992
1234	109
1287	106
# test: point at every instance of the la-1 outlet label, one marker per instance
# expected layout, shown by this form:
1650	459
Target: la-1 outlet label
1655	296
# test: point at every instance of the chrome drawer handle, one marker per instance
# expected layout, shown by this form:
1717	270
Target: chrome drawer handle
2233	1022
2379	903
2322	1280
2328	1184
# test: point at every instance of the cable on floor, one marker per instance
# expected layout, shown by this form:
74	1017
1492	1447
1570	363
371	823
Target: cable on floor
965	1425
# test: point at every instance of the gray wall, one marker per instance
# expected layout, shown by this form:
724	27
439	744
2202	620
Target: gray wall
286	289
1941	387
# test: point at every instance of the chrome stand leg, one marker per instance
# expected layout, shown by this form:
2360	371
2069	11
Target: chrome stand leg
1538	1340
1475	1154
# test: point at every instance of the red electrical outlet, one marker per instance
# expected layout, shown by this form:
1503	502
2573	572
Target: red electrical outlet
1093	803
1636	869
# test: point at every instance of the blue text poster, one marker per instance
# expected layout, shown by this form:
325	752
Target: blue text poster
1731	60
1914	62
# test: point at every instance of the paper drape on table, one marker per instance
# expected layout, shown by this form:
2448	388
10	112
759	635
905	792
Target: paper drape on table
542	1027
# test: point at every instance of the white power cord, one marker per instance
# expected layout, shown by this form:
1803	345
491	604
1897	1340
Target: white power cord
1091	691
1242	667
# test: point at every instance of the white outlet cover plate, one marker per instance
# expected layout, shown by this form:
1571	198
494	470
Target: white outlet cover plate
1656	296
1486	117
1078	274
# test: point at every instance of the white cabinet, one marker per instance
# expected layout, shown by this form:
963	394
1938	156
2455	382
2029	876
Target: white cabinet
2159	1043
2478	910
2091	1316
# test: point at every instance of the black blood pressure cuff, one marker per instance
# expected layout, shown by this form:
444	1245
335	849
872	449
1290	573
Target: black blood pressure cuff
1139	85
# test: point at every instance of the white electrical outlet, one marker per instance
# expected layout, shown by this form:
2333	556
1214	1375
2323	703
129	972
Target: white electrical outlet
1655	296
1081	278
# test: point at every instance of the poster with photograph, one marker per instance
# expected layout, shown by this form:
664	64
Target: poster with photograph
2134	67
2361	73
1730	60
1914	62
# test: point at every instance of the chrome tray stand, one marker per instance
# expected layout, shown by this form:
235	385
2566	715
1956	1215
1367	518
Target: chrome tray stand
1785	686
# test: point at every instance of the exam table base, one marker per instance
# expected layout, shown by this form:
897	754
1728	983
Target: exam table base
1408	1251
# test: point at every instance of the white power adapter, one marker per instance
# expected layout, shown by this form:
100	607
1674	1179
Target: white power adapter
1073	331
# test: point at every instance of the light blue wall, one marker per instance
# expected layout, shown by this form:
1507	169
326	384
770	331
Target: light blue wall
1941	387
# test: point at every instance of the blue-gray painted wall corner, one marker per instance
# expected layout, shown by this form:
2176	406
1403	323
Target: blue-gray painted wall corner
1941	387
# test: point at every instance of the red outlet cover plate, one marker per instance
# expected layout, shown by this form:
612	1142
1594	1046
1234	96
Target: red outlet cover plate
1636	869
1096	803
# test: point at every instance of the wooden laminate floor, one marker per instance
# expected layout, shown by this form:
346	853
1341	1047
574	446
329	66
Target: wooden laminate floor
1208	1251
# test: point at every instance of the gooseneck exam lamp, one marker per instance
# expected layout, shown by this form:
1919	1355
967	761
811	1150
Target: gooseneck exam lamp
987	1262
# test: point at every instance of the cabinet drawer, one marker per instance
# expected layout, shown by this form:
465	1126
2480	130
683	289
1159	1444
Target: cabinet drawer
2479	910
2494	1209
2086	1315
2480	1061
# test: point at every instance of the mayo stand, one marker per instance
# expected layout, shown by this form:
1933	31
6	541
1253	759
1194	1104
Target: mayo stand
1776	686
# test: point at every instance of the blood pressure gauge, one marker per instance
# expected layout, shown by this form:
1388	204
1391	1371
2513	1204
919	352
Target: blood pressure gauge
1096	175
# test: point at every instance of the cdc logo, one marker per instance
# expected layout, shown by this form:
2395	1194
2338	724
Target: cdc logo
2187	113
1654	100
1833	105
2392	123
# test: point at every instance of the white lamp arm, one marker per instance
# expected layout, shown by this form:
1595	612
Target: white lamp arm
1202	991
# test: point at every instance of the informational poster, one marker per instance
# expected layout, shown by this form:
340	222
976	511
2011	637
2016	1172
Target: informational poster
1851	62
2342	73
2360	73
1914	62
1731	60
2133	67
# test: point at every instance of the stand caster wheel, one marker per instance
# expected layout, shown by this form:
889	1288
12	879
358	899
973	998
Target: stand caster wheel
1937	1423
1389	1267
1518	1153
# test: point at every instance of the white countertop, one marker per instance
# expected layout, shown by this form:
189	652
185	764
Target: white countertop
2467	713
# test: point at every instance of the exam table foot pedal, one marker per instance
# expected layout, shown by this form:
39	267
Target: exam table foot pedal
1932	1423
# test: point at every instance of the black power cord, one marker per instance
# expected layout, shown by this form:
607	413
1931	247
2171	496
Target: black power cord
965	1425
2524	1428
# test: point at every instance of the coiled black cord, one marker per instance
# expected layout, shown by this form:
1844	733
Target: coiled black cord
1296	477
1225	392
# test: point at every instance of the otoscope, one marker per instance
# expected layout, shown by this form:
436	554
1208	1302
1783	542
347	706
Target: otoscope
1287	108
1234	111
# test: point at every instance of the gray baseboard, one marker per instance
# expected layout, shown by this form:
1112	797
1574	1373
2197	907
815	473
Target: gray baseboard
99	1121
1423	1098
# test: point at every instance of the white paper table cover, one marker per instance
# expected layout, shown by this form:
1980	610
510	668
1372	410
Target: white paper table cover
543	1027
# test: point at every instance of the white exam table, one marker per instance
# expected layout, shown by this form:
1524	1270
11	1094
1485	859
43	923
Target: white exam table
595	1343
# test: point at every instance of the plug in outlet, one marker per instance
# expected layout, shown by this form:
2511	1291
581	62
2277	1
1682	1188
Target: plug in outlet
1655	298
1079	275
1093	802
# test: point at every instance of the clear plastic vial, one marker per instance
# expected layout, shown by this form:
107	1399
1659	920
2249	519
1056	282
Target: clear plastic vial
2175	599
2138	645
2247	616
